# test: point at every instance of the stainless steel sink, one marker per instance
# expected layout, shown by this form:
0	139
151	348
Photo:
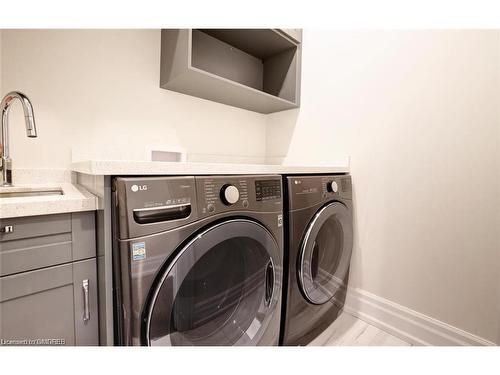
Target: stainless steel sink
13	192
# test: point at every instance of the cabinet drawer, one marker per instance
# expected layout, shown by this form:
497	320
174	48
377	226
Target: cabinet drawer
50	304
35	226
43	241
33	253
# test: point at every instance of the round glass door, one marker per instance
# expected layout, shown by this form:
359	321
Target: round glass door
221	289
326	253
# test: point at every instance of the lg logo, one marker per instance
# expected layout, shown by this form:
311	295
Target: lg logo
136	188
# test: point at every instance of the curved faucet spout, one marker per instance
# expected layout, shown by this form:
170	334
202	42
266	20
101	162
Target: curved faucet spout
29	119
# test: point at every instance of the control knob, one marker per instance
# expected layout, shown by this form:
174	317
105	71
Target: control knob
332	187
229	194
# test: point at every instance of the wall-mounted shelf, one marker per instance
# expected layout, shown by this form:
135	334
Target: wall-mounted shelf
254	69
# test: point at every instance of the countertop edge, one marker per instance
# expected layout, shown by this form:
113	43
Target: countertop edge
108	168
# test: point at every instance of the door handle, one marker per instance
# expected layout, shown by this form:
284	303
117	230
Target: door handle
269	282
161	213
86	310
314	261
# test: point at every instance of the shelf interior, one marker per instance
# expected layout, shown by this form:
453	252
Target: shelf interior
261	43
258	58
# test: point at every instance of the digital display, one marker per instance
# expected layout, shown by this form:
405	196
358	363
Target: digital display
267	189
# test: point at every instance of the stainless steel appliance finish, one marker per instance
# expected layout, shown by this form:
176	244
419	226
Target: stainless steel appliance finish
198	260
317	255
29	118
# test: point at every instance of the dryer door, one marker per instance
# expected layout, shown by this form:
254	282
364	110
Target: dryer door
221	289
325	253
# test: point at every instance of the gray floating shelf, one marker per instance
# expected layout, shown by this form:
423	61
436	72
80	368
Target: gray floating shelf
254	69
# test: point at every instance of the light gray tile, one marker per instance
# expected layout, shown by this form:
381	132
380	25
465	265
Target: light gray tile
335	331
385	339
348	330
367	337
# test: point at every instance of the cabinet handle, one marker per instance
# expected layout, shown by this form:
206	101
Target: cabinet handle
86	311
7	229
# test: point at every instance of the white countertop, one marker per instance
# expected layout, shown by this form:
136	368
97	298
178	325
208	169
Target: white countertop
124	167
74	198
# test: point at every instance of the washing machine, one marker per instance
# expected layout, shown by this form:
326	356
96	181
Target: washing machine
197	260
318	248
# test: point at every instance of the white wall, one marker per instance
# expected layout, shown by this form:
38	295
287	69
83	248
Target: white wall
97	91
418	114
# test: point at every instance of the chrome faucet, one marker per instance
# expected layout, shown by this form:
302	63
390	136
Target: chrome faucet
29	118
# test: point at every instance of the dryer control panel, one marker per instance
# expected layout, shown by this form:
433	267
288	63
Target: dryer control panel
217	194
339	186
306	191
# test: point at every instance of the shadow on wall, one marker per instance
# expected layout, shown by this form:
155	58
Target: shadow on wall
280	129
295	137
356	263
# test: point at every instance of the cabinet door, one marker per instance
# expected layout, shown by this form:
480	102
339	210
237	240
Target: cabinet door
85	302
49	306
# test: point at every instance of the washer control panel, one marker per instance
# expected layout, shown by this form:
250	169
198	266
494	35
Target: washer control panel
267	190
217	194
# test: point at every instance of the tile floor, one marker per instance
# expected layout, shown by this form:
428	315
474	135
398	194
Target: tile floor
348	330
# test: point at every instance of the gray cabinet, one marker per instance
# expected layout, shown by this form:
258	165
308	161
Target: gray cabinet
254	69
295	34
48	283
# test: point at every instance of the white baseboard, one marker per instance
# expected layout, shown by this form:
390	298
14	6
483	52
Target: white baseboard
407	324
